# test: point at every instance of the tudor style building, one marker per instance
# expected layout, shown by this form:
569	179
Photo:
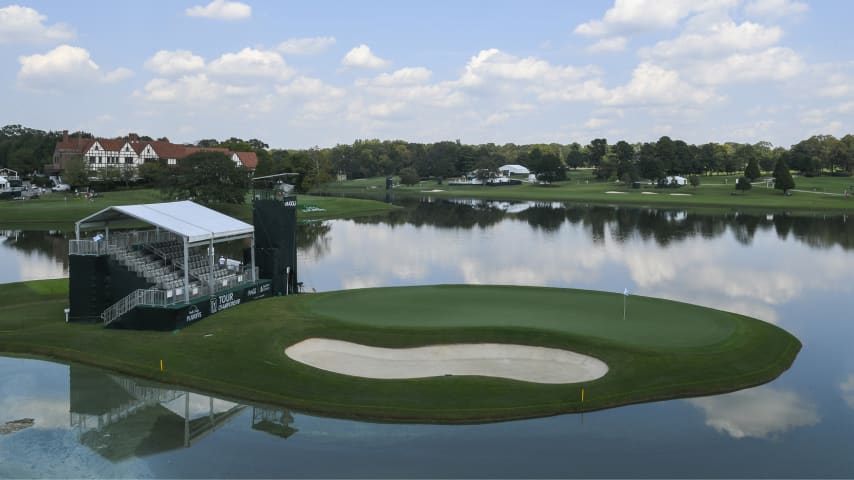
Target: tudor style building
131	152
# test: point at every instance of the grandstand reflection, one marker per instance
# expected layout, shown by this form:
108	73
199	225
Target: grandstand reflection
120	417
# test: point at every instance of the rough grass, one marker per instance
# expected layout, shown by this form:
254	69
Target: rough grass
714	191
663	350
60	211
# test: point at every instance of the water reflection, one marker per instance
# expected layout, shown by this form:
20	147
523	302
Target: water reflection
30	255
761	412
749	264
661	225
120	417
847	388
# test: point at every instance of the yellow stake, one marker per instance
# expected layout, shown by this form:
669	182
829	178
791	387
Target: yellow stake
161	369
582	393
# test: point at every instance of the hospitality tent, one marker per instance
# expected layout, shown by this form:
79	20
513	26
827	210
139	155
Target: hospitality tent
512	168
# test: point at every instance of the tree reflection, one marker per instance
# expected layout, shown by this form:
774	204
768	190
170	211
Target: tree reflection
622	224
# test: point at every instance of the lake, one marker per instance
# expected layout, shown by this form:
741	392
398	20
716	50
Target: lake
794	271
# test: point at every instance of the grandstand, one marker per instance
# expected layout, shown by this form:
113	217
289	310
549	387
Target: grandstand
165	275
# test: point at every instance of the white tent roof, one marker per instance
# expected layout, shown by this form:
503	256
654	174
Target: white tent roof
512	168
186	219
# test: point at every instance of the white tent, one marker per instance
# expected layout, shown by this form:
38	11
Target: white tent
518	169
193	223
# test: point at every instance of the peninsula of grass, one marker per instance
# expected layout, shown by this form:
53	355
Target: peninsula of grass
58	211
817	194
662	350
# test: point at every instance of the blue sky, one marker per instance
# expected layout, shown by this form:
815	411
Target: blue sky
298	74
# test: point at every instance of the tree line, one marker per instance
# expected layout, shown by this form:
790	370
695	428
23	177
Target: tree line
28	150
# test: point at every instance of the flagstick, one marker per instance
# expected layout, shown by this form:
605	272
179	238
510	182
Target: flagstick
624	307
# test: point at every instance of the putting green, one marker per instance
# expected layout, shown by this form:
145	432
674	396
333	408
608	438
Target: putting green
662	350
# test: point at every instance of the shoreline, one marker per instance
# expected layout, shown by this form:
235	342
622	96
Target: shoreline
236	353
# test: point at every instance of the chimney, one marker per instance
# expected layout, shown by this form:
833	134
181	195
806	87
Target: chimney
64	136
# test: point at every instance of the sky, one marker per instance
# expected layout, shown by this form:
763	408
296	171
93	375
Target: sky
320	73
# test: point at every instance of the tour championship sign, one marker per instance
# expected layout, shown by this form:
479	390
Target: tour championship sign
182	316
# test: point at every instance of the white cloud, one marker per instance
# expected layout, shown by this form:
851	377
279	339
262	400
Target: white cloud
221	10
23	24
762	412
497	118
305	46
404	76
64	68
250	62
495	64
362	57
774	64
310	87
718	38
774	8
117	75
173	62
632	16
589	90
655	85
188	89
384	109
606	45
595	123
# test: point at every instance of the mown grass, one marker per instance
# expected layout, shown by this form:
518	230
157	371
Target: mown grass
58	211
663	350
715	191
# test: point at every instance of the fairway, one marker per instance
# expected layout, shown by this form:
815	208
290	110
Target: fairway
662	350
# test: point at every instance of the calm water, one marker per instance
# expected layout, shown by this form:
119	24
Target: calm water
792	271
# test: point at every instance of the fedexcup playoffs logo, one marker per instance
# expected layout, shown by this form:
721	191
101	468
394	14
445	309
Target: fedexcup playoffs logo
213	305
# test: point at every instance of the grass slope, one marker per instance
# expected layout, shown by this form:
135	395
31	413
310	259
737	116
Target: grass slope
60	211
714	191
663	350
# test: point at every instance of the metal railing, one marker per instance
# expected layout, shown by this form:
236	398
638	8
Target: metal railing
86	247
135	298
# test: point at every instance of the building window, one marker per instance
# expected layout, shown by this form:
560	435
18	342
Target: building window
172	161
91	159
128	159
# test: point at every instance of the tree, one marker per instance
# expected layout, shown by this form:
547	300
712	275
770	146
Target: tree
550	168
752	169
743	184
208	178
694	180
783	177
576	156
408	176
76	172
597	150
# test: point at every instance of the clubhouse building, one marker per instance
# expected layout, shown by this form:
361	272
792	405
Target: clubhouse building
130	152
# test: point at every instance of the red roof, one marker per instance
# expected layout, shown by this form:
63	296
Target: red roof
164	150
248	159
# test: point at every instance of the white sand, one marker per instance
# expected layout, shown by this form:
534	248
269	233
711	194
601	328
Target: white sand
681	194
649	193
517	362
435	190
612	191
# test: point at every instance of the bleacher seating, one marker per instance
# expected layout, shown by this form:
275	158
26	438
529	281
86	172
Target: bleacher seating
161	263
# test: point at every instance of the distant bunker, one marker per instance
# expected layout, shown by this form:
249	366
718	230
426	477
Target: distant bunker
515	362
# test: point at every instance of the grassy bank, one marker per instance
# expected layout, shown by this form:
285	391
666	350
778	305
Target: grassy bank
663	350
58	211
813	194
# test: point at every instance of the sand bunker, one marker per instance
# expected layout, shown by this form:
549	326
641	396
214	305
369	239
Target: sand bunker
517	362
612	191
649	193
681	194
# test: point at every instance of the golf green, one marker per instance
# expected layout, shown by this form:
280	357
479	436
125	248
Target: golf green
661	350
